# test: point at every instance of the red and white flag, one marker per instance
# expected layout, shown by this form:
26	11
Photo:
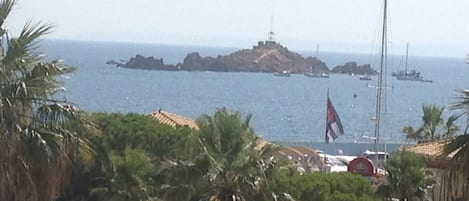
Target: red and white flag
333	125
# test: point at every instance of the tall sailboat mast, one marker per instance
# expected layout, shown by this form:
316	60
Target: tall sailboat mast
406	56
381	85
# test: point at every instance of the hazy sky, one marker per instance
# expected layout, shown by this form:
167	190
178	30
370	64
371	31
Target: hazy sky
433	27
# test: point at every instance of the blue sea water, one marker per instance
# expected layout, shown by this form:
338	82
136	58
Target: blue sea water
290	110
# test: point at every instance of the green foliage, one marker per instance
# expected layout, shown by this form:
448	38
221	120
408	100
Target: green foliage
407	178
459	146
433	126
142	152
462	104
133	176
237	168
152	161
135	161
37	143
326	187
139	131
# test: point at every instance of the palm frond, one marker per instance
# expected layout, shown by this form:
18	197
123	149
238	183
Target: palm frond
39	138
459	148
60	130
37	85
20	52
462	101
5	9
237	167
450	127
412	134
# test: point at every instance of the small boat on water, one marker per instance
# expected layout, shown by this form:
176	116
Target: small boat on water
283	73
466	60
318	75
409	74
366	77
311	72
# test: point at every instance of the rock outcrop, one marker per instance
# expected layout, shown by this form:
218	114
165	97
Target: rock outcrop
267	56
353	68
112	62
148	63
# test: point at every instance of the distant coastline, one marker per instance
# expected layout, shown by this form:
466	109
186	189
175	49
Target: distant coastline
298	45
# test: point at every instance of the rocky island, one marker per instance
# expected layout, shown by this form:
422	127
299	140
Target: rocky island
353	68
112	62
267	56
147	63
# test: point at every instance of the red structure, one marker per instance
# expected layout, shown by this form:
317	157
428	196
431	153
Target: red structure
362	166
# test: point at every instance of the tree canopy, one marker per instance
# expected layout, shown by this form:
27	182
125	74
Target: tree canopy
407	178
433	126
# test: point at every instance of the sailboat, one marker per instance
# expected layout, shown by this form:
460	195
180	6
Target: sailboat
409	74
363	165
366	77
318	75
380	90
311	73
283	73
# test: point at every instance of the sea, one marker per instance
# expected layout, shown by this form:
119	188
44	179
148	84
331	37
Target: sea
285	110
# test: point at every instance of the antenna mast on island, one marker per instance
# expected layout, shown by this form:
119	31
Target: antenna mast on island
271	33
317	50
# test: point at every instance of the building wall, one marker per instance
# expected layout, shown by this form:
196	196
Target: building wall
451	185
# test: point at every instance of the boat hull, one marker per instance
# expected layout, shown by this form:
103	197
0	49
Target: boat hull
317	75
285	73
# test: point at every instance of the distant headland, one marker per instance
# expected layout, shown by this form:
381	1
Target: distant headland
267	56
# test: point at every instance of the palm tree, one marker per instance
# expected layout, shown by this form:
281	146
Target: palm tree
460	145
454	174
463	104
457	149
407	178
36	142
237	168
433	126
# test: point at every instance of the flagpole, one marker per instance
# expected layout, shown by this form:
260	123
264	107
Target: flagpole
325	135
327	102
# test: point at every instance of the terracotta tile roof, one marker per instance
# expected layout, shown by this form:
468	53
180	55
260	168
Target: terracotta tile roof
305	150
173	119
299	152
291	152
432	149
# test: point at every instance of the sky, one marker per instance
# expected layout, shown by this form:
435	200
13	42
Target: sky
432	27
